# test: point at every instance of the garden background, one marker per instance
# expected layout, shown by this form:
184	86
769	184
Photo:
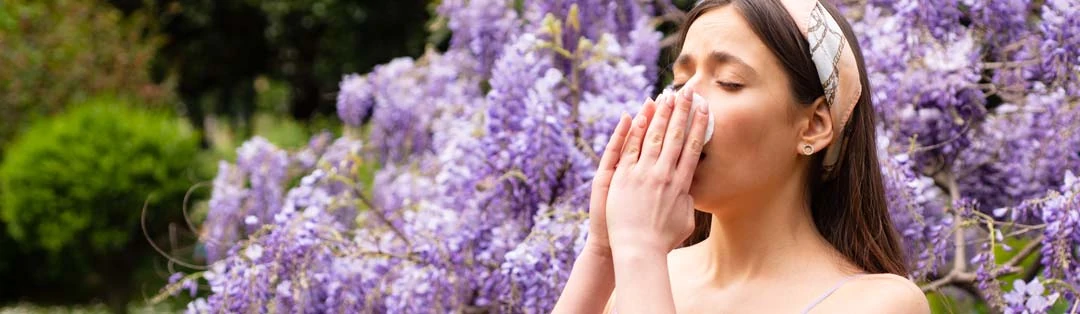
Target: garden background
435	156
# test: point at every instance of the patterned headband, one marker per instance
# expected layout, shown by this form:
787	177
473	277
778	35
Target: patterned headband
836	68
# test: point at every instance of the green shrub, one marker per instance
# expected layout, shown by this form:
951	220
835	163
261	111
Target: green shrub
78	181
60	52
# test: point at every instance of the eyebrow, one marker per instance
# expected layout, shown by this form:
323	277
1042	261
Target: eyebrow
717	56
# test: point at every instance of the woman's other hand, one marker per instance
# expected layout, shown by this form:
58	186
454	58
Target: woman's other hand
598	235
593	276
649	203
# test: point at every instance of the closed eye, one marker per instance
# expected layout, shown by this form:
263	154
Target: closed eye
729	85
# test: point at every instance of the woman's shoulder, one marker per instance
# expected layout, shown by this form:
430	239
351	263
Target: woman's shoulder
878	293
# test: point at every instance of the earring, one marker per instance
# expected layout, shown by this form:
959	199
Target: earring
807	149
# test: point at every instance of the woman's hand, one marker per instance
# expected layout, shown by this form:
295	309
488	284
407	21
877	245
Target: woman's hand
598	234
593	277
650	207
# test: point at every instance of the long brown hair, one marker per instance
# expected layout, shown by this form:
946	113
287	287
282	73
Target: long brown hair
850	209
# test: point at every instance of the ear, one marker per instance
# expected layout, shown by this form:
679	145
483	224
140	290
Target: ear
815	126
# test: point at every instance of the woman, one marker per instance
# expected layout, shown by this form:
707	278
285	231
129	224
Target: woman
792	216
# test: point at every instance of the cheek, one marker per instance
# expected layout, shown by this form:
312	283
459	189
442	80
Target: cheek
745	145
734	146
738	129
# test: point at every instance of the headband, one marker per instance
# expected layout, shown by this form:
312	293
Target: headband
836	68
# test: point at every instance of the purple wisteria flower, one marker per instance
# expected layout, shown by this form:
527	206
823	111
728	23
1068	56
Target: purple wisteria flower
918	211
266	167
221	229
1021	151
536	270
1029	297
306	158
1060	44
355	100
1061	238
481	27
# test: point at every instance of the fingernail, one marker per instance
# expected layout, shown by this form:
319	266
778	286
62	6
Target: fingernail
702	107
639	120
700	104
686	92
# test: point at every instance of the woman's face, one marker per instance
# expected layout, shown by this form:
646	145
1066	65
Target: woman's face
754	146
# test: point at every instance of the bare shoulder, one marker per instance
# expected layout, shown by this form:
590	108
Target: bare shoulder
879	293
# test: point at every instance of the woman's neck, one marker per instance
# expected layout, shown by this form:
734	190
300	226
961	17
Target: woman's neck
766	234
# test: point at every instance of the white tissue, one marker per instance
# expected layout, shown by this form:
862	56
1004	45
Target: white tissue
700	102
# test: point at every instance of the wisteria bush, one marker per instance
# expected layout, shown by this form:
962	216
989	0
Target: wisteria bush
485	153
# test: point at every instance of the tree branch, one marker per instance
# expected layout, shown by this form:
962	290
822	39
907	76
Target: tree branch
952	278
1024	253
958	273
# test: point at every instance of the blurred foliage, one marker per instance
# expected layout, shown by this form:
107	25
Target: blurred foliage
83	172
26	308
219	49
271	98
57	52
73	191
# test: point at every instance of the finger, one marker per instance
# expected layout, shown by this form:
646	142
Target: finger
691	151
654	137
677	128
632	147
648	109
602	180
614	147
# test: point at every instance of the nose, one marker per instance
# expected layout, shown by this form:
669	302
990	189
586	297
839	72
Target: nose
692	82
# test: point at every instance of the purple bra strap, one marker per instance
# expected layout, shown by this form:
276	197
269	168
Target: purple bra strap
818	300
828	293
